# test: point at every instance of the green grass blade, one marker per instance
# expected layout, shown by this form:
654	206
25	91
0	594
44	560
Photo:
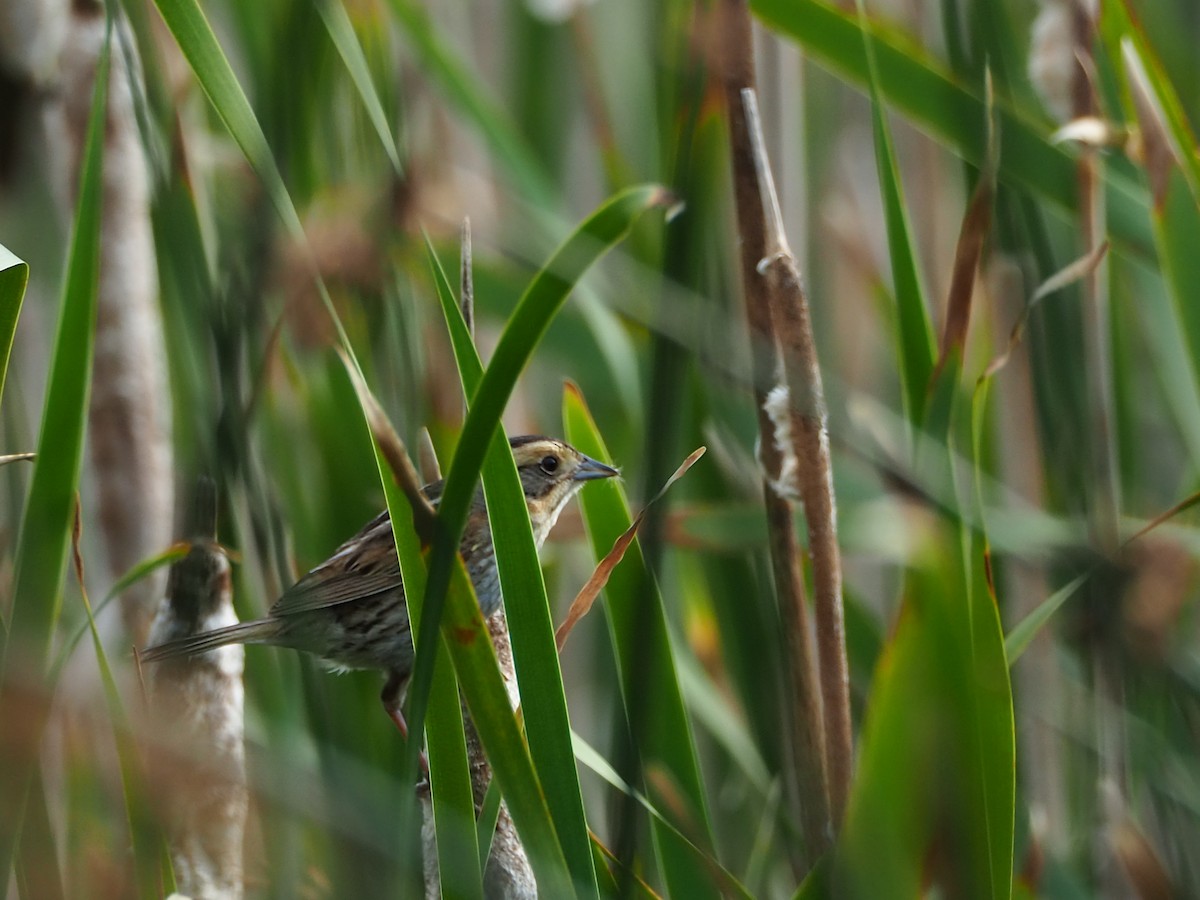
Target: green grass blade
590	757
1118	27
469	95
46	528
915	337
341	32
199	45
992	727
938	102
449	767
540	302
543	701
470	646
1023	633
14	275
144	835
666	740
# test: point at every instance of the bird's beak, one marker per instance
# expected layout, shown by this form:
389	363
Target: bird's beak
591	469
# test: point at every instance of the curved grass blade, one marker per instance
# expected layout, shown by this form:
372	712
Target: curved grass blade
1023	633
466	636
341	32
666	740
14	275
459	869
543	701
144	835
938	103
199	45
540	302
915	339
587	595
469	95
133	576
46	528
1125	39
590	757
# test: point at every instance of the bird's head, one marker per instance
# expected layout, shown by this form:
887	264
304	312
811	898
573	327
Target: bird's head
552	472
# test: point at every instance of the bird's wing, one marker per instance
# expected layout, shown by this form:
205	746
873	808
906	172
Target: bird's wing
363	566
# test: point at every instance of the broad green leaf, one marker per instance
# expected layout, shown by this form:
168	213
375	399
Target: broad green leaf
543	701
14	275
940	713
665	734
45	535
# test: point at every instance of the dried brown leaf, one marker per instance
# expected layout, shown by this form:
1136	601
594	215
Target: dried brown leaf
393	450
583	601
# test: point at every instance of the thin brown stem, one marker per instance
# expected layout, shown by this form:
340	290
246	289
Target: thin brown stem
807	731
782	286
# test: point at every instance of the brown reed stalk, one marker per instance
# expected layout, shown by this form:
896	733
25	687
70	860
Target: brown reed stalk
809	734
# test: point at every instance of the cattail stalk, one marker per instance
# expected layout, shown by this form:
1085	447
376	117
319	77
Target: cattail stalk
197	759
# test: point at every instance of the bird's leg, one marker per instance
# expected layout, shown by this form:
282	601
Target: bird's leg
392	697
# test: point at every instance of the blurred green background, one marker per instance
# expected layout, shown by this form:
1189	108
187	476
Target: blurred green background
1018	492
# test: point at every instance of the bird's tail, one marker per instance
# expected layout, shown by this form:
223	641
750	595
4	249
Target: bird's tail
262	631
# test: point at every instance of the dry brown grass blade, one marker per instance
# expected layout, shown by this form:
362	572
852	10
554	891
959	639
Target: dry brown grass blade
431	469
583	601
1182	506
394	452
1154	148
1065	276
16	457
975	227
971	237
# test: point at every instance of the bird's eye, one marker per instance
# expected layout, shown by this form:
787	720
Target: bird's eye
549	464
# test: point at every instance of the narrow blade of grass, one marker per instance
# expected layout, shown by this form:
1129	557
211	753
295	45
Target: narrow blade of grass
14	275
468	93
540	302
143	833
1023	633
449	768
937	102
341	32
915	338
543	701
666	740
46	528
590	757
